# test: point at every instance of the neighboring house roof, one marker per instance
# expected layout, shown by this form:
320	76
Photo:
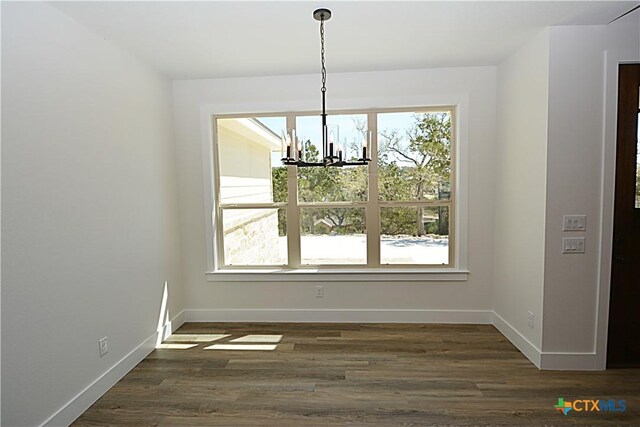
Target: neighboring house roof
324	222
266	129
253	130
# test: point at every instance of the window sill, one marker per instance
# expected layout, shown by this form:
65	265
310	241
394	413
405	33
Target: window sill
338	275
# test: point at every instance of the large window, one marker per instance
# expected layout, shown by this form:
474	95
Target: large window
397	211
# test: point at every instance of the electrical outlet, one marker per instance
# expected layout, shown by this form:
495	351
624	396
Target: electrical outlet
574	223
531	319
573	245
103	346
319	291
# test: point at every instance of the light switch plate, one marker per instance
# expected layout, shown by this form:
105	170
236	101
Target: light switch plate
574	223
573	245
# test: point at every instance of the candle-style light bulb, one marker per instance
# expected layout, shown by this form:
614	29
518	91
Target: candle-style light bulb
325	139
340	152
288	146
299	146
364	148
331	144
294	138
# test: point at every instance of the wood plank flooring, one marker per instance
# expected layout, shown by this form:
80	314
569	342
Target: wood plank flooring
355	374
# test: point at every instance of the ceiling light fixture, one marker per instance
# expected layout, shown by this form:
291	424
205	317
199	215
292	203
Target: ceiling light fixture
332	154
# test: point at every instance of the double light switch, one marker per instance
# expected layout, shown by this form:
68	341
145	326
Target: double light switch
573	245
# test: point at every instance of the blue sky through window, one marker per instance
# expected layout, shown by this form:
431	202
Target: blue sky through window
343	127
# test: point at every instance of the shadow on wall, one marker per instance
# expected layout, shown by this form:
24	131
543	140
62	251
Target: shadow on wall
164	322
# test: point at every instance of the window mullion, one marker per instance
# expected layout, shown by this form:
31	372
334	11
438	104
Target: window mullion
293	214
453	261
372	211
216	210
411	203
274	205
323	205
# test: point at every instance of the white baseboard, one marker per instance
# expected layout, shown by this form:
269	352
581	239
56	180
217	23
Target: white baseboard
337	316
87	397
177	321
525	346
569	362
546	360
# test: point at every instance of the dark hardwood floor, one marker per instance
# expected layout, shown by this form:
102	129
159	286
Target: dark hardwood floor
356	374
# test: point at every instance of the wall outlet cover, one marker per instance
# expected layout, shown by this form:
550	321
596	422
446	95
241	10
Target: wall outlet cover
103	346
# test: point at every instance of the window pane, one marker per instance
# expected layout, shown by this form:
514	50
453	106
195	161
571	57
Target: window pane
414	156
333	236
254	236
318	184
249	152
414	235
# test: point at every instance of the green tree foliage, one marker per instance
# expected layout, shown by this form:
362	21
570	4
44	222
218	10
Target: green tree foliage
413	164
279	183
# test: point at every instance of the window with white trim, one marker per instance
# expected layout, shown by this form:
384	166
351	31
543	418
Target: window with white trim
396	212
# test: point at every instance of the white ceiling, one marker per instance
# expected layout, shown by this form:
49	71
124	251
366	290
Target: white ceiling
238	38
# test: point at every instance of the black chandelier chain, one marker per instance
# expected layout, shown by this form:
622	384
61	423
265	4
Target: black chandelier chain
324	68
331	155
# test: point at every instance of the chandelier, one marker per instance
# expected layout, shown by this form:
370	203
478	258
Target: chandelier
332	153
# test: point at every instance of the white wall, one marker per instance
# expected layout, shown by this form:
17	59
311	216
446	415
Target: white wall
192	98
520	189
90	217
577	144
554	99
89	221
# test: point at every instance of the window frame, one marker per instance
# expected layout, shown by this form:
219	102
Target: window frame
372	205
245	106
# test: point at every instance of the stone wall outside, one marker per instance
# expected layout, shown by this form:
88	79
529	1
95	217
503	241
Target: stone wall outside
253	241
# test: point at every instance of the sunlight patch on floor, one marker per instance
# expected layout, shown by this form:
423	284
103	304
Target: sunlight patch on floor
195	337
258	338
175	346
263	347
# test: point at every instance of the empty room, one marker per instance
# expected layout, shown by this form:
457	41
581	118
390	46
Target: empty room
305	213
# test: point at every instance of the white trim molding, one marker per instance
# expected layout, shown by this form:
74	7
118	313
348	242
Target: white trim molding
546	360
458	101
90	394
338	316
526	347
337	275
552	361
